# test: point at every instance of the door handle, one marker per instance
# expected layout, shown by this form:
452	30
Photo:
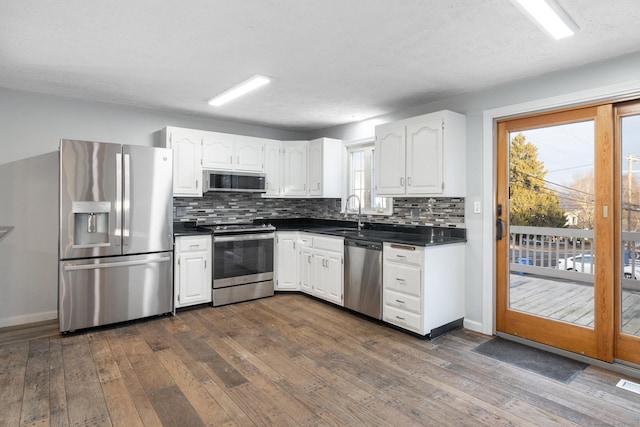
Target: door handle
126	198
499	229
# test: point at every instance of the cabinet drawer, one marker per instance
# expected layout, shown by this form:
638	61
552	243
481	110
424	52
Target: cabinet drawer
402	301
305	240
404	319
193	243
403	253
333	244
402	278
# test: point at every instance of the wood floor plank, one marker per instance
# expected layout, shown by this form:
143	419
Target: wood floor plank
59	416
35	402
204	404
13	367
85	399
121	408
139	398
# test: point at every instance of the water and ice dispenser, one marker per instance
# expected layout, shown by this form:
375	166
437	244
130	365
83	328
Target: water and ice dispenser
91	224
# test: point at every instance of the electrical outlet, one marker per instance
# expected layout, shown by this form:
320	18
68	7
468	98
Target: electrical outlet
476	207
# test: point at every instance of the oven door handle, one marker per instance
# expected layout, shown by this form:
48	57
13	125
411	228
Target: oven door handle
243	237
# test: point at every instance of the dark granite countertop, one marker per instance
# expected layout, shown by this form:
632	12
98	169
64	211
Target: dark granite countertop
402	234
188	228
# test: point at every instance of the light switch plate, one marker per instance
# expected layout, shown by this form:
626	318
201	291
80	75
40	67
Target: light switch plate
476	207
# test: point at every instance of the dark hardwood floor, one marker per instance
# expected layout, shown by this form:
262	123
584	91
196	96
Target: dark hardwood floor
287	361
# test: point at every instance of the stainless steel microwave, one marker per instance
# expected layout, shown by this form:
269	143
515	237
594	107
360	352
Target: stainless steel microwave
230	181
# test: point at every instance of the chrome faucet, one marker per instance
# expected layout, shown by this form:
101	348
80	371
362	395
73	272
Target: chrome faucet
359	209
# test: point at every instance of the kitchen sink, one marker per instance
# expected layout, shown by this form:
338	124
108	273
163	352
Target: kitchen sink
350	232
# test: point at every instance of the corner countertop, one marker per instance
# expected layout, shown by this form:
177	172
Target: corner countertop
188	228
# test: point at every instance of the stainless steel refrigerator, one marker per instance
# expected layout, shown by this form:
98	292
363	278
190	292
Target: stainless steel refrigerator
116	233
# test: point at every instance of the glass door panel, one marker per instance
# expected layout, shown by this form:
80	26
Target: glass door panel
629	261
551	230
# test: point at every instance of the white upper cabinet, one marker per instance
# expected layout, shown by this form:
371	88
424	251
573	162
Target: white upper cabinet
217	151
187	156
295	168
326	168
249	154
305	168
229	152
272	161
422	156
390	159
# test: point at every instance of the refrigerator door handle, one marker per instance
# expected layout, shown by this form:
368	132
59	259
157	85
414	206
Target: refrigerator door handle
126	200
73	267
118	204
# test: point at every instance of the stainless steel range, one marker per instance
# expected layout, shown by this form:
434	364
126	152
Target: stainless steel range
242	262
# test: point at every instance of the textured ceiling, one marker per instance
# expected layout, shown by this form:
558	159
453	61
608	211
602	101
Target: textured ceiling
329	59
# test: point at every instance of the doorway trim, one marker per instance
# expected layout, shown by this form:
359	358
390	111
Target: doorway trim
489	152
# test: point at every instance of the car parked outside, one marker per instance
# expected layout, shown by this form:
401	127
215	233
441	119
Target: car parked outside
632	272
583	263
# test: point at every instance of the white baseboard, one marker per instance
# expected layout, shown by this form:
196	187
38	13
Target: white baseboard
28	318
472	325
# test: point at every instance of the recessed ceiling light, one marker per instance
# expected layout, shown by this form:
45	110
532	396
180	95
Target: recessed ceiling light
549	16
246	86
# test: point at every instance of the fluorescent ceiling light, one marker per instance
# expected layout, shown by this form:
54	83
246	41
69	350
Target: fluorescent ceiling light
549	16
246	86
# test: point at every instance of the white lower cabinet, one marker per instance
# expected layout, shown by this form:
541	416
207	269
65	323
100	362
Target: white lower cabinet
286	271
321	266
192	270
422	286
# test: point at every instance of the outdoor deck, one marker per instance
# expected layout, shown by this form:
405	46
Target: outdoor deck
567	301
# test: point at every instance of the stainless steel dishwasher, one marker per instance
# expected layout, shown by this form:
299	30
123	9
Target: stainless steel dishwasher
363	277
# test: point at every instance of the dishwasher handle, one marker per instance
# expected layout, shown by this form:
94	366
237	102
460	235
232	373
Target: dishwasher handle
374	246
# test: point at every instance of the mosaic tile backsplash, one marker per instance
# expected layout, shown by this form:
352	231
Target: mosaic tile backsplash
237	207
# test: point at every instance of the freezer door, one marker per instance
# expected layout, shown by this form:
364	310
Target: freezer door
103	291
90	186
148	199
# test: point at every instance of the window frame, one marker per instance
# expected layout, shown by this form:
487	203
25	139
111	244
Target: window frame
355	146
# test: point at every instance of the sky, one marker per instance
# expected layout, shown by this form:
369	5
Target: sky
568	150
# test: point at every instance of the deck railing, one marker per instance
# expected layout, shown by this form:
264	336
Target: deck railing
537	250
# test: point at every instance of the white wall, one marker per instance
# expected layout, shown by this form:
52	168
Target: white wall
480	277
32	127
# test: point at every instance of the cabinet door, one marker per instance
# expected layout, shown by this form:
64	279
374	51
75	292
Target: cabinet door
286	268
425	158
217	151
315	168
390	160
334	277
306	270
249	154
194	279
295	169
272	151
187	167
318	275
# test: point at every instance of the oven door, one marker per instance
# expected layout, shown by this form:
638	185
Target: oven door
241	259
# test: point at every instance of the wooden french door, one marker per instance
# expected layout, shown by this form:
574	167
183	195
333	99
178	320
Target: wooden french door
555	245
